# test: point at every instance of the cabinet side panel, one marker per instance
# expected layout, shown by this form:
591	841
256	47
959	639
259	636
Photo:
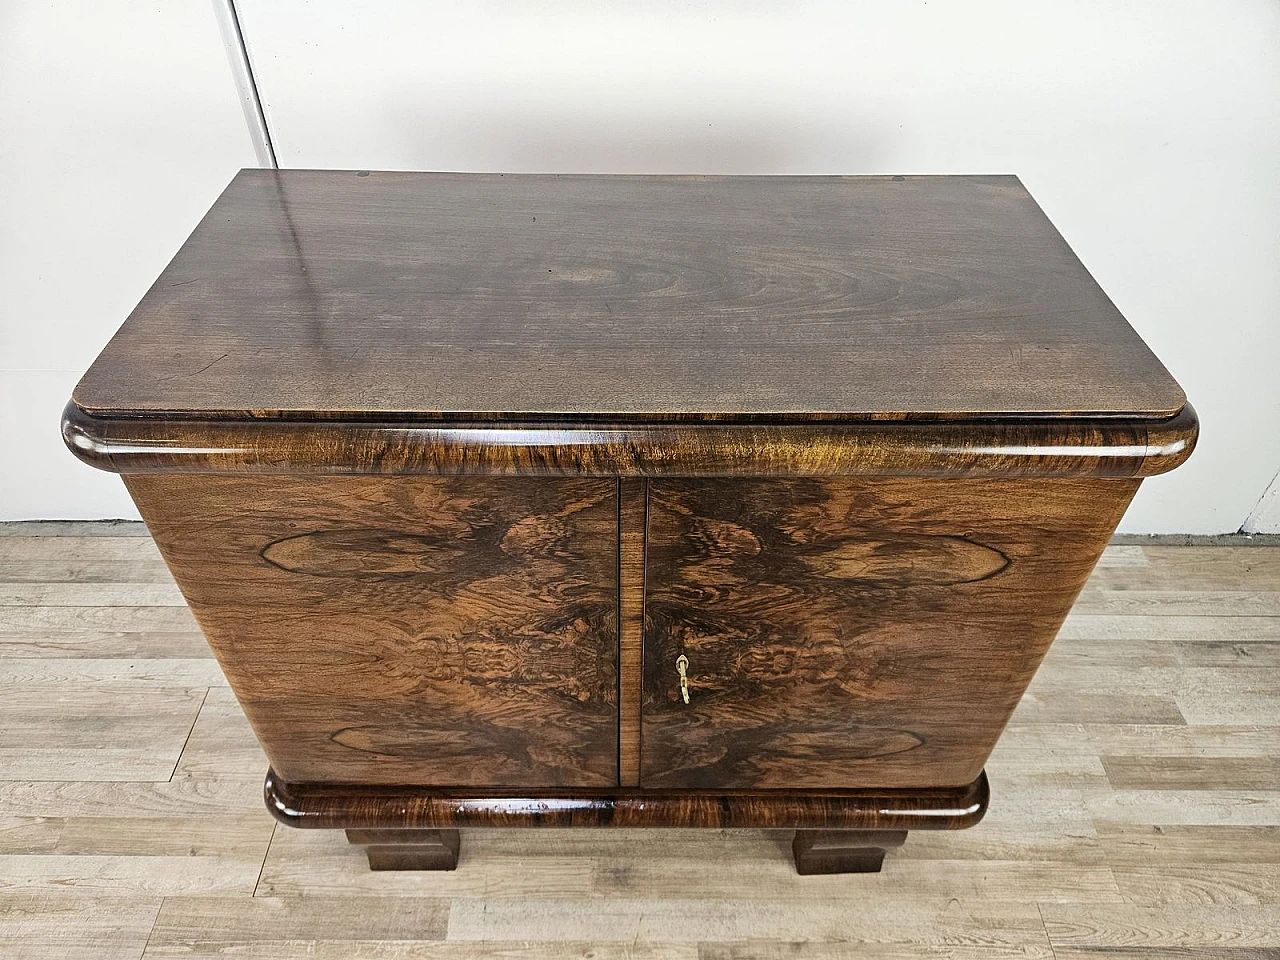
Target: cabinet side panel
853	633
407	630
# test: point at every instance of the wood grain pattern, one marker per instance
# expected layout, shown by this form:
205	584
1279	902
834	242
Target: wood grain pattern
414	630
314	928
1110	447
453	468
358	806
107	730
871	633
478	296
633	509
37	925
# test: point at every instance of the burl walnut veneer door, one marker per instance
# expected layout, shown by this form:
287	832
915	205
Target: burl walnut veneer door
428	631
853	632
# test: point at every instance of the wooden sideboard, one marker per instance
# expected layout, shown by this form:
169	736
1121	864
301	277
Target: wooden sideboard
632	501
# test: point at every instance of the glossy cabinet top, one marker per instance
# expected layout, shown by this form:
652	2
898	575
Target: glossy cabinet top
465	297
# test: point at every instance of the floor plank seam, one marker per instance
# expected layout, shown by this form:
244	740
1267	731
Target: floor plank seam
196	719
1053	951
155	921
262	868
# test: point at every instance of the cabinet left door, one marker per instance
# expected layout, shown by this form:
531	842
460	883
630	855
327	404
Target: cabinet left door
430	631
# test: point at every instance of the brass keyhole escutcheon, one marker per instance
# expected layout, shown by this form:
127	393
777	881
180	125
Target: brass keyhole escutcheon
682	665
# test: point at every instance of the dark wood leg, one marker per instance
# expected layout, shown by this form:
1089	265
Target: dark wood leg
843	851
408	849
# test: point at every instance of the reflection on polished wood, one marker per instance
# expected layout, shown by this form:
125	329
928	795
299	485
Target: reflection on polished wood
869	631
359	806
1112	447
685	501
407	629
638	299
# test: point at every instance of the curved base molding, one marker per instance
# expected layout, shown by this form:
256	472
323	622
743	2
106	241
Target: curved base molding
843	831
353	807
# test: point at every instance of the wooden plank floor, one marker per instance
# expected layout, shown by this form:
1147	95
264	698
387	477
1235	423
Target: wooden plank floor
1135	810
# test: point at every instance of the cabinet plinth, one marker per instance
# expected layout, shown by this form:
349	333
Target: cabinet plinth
628	501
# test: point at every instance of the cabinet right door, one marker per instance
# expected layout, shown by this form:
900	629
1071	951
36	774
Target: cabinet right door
853	632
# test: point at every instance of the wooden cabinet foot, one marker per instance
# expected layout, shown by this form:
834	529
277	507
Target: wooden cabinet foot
843	851
408	849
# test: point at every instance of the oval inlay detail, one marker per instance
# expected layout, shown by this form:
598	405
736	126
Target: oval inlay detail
907	560
362	553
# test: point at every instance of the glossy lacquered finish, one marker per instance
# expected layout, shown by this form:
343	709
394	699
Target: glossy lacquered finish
837	831
326	806
357	295
628	501
848	631
407	629
1112	447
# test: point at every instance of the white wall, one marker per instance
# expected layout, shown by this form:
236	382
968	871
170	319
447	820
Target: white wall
1149	131
119	125
1265	517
